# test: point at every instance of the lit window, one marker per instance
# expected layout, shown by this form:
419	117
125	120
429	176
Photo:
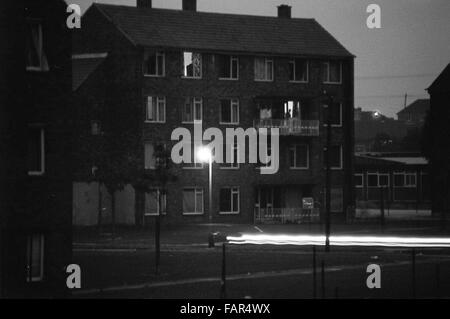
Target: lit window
193	201
156	109
36	59
299	156
229	200
332	72
192	110
229	111
35	258
36	151
263	69
192	65
154	199
228	67
95	127
154	64
298	70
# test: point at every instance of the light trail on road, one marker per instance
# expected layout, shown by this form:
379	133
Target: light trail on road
319	240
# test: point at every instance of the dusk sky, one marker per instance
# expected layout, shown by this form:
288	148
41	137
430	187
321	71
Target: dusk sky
404	56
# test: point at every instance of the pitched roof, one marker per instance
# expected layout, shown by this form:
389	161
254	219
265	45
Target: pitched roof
223	32
83	65
418	106
442	82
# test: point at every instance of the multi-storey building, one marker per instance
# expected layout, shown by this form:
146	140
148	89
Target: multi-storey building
148	71
35	170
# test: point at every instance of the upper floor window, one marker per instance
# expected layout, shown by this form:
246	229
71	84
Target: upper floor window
35	258
335	113
299	156
335	157
228	67
332	72
229	111
154	64
298	70
192	65
156	109
193	109
263	69
36	151
36	59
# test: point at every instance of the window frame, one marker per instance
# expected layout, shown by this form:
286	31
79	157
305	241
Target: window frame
378	174
232	166
341	158
293	63
197	190
157	54
232	101
325	120
156	99
159	193
328	81
42	148
362	180
294	148
41	52
405	184
266	61
231	78
29	255
193	101
233	190
184	74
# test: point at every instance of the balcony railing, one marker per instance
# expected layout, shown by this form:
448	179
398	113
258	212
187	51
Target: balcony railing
286	215
290	126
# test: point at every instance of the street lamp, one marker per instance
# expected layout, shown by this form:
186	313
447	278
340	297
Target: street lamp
204	155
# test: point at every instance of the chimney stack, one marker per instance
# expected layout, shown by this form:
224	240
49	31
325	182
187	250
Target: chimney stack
190	5
284	11
144	3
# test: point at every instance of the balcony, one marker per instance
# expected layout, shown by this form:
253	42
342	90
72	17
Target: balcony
291	126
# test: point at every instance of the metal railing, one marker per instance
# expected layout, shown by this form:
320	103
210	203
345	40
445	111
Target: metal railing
285	215
291	126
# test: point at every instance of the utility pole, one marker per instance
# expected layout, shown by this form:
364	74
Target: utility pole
328	176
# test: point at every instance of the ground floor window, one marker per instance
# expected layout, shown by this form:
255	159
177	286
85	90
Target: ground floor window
229	200
35	258
193	201
154	199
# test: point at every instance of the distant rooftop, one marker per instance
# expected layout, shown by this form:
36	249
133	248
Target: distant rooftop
418	106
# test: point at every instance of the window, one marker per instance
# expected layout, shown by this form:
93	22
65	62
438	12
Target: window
192	110
332	72
358	180
335	157
192	65
335	114
193	201
35	55
154	64
154	199
403	179
299	156
96	128
156	109
36	151
228	67
229	111
235	152
263	69
229	200
35	258
149	157
194	164
298	70
377	180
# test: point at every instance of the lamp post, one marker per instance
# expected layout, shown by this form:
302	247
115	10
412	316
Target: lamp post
328	172
204	155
